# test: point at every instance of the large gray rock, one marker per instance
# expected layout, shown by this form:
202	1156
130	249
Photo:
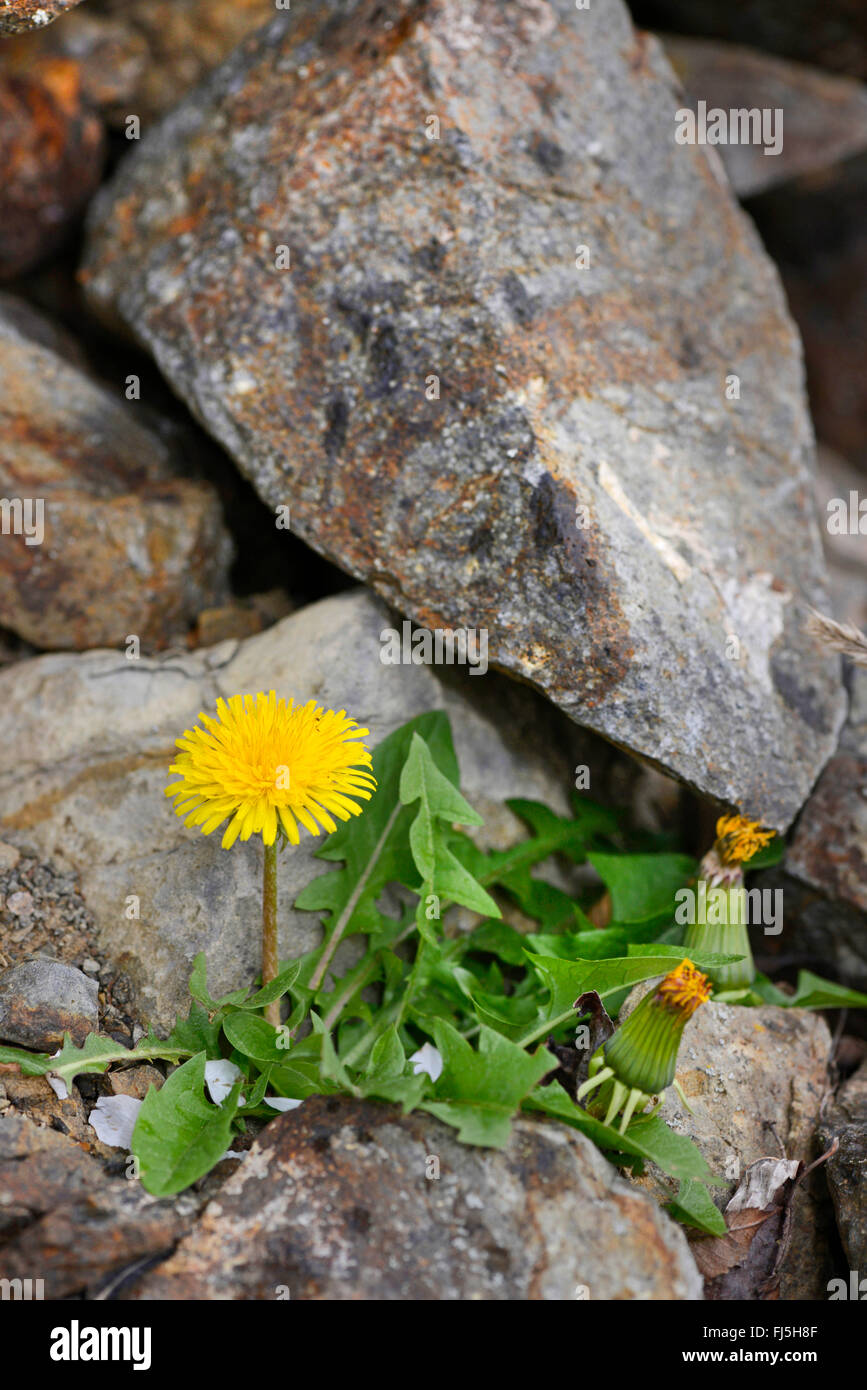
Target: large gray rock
89	739
560	388
339	1200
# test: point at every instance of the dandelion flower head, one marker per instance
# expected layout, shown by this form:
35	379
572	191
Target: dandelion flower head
270	766
738	839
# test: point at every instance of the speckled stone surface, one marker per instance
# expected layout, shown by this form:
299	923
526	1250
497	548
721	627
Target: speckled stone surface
126	544
334	1202
42	1000
353	252
17	16
52	158
140	56
71	1220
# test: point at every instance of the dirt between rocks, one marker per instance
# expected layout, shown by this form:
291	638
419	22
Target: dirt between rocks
42	913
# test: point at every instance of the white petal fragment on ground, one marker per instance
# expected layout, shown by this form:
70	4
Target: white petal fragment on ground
57	1084
427	1059
220	1077
113	1118
281	1102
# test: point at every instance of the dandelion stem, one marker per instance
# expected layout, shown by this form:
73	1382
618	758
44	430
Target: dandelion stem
544	1028
269	929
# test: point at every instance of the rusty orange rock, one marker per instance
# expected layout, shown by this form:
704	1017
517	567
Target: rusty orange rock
141	56
100	535
51	157
68	1222
17	16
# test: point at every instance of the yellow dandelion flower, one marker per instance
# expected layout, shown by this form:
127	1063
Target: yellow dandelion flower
738	839
271	766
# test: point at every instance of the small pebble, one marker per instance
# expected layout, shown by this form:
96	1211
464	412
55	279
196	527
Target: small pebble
9	857
90	966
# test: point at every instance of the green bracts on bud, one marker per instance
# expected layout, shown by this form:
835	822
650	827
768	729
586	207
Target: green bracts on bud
639	1060
643	1052
724	909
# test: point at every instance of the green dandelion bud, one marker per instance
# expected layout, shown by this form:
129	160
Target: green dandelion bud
721	900
639	1060
721	926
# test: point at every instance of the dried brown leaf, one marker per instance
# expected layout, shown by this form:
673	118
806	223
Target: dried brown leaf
575	1061
744	1262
